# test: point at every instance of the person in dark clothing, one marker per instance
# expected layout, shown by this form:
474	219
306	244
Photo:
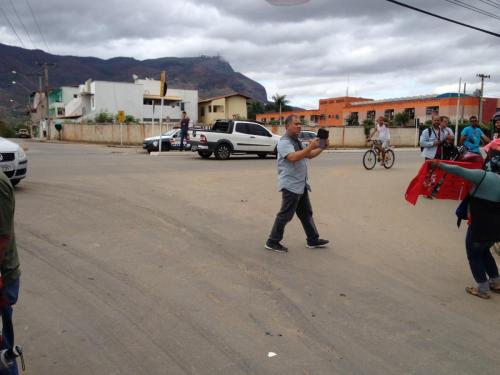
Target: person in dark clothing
484	230
9	267
184	129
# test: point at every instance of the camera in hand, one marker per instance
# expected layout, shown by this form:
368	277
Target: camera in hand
323	135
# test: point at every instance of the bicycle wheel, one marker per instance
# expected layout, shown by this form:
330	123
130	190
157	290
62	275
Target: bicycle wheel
389	159
369	159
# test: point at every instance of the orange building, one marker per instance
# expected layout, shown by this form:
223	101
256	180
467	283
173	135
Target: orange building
336	111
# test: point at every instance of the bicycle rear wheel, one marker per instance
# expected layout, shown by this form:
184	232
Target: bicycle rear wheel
389	159
369	159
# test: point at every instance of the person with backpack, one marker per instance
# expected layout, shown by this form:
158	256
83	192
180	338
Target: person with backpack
472	136
432	140
449	151
483	231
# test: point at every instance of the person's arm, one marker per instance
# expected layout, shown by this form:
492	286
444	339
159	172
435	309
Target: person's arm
302	154
318	151
485	139
425	139
473	175
6	222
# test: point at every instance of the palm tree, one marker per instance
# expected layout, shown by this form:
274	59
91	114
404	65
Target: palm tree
280	101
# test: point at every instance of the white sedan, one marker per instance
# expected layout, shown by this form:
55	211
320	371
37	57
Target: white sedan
13	161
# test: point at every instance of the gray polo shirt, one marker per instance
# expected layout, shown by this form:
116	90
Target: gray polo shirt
292	176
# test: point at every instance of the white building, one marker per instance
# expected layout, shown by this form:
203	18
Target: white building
59	98
140	99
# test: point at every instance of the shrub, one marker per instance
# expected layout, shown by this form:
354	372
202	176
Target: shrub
6	131
103	117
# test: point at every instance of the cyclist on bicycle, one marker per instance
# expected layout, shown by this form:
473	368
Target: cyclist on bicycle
383	138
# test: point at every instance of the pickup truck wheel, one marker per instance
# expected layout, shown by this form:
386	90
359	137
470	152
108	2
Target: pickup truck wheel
205	154
223	151
262	155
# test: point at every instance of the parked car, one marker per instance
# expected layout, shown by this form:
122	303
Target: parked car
23	133
171	140
235	137
13	161
306	136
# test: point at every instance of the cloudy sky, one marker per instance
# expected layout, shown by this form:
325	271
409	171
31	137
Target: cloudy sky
307	52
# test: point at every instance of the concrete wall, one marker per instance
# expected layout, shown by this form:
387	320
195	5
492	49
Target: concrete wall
342	136
112	97
134	134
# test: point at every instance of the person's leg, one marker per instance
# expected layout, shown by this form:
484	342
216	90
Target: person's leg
489	262
305	213
475	256
11	292
289	202
182	142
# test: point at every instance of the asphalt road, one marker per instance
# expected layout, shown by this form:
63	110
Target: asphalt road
134	264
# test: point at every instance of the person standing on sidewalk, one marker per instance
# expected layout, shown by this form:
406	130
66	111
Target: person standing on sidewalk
9	267
184	129
294	187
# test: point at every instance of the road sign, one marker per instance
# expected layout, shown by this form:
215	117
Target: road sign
121	116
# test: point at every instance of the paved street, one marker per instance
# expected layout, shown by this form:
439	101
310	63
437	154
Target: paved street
134	264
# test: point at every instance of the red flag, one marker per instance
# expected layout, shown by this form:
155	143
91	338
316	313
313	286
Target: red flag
438	183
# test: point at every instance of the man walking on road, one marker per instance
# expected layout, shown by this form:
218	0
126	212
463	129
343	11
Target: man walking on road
184	129
294	187
9	267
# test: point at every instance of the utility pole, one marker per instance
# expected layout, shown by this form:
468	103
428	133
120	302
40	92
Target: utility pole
482	76
45	67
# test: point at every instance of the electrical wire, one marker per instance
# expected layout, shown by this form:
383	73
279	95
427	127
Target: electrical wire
473	8
443	18
12	27
37	25
491	3
22	23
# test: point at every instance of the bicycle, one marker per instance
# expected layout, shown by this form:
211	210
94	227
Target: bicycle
374	154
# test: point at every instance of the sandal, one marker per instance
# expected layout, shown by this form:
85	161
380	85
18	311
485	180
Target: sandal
472	290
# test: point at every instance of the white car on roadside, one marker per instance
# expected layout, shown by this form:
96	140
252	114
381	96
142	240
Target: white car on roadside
13	161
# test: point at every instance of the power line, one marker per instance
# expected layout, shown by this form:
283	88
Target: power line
37	25
22	23
491	2
473	8
443	18
12	27
494	5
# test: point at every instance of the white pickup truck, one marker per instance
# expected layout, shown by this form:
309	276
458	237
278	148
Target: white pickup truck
235	137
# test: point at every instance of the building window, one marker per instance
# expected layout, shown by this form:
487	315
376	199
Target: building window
389	113
75	96
432	111
370	115
202	111
210	109
182	106
410	112
92	103
337	117
218	108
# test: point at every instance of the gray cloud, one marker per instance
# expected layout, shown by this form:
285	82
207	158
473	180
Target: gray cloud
306	51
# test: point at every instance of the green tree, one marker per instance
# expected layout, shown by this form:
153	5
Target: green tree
254	108
6	131
401	119
352	120
280	104
103	117
368	126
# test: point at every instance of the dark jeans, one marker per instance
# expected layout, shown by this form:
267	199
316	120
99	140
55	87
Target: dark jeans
482	264
291	204
11	291
184	136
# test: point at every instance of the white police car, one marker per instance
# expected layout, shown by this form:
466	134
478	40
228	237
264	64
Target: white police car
13	161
